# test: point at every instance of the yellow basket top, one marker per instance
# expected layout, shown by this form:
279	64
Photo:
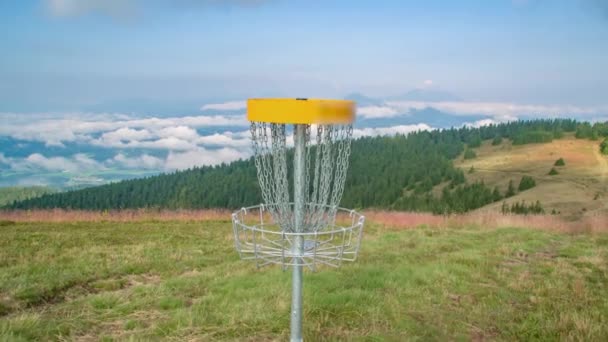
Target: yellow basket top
301	111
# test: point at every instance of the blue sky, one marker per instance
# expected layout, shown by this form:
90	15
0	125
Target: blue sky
93	91
101	54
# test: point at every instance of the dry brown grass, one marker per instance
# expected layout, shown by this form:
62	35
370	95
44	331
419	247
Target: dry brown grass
589	224
127	215
579	190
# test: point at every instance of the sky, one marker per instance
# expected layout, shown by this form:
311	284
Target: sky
73	54
100	90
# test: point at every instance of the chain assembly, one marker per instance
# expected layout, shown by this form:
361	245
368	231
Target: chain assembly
326	159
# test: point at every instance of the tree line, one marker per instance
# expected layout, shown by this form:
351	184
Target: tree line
391	172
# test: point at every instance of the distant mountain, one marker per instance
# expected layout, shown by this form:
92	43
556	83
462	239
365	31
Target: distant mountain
363	100
429	115
430	95
436	118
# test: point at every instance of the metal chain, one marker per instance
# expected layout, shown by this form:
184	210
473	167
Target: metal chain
327	171
343	154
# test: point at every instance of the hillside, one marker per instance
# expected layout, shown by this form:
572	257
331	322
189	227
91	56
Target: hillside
20	193
422	171
580	186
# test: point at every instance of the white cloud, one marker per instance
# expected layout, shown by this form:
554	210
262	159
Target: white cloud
190	121
401	129
49	132
170	138
499	109
124	131
231	105
227	139
53	163
116	130
202	156
86	162
375	112
170	143
181	132
125	134
32	181
78	163
480	123
144	161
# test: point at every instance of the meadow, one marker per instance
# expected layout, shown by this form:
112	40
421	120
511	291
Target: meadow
151	278
579	189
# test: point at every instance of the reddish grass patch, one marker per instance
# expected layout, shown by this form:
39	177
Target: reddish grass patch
127	215
589	224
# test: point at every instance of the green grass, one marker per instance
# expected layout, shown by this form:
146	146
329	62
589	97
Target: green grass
183	281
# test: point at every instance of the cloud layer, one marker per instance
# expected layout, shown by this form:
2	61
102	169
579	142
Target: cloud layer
93	148
115	144
116	130
500	111
71	145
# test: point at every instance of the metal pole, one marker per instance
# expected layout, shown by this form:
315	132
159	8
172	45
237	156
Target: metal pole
299	176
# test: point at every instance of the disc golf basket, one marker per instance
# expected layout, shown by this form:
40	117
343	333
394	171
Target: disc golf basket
300	223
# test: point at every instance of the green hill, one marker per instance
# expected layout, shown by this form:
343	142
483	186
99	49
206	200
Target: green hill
19	193
413	172
580	186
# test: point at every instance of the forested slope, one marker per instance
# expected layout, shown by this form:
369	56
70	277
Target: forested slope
19	193
397	172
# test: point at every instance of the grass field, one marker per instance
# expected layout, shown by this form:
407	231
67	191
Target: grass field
181	280
579	189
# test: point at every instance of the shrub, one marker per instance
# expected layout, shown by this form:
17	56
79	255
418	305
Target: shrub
510	190
604	146
469	154
526	183
474	141
558	133
496	196
522	208
472	169
497	140
584	131
553	172
560	162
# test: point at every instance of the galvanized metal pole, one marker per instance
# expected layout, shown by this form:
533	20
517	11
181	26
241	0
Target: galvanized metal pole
299	176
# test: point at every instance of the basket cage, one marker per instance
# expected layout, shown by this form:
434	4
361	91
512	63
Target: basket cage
258	237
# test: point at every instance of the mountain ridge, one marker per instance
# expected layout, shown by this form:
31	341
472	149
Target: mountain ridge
391	172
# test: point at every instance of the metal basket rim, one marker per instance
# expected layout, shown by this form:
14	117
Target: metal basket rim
359	222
